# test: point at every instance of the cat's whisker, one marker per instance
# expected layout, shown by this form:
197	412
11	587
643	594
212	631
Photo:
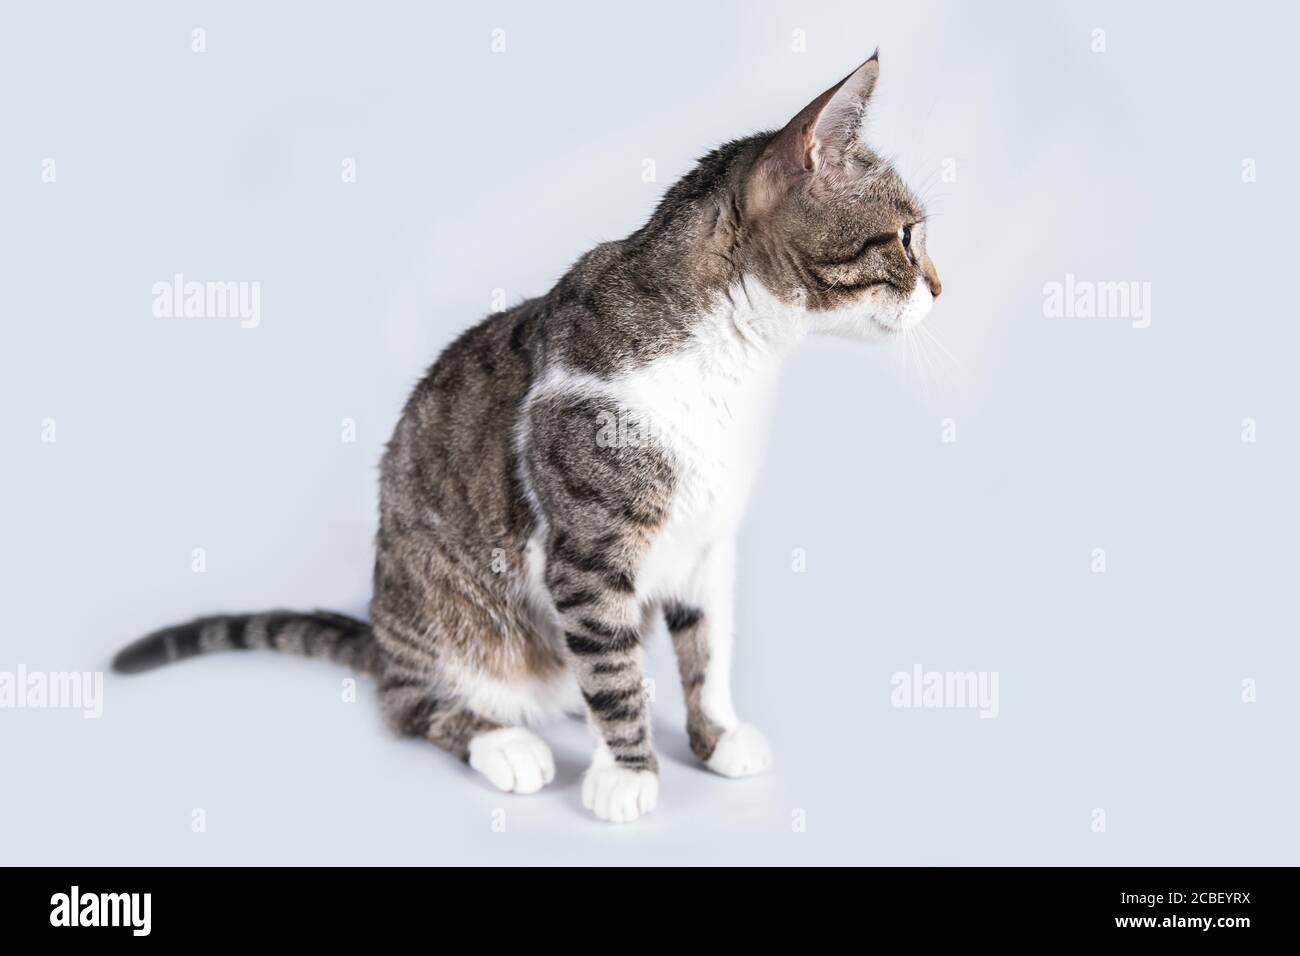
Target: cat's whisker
910	336
927	183
924	353
940	374
900	351
953	376
905	349
943	348
948	361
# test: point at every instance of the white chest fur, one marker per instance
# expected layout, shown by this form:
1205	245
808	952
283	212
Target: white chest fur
705	405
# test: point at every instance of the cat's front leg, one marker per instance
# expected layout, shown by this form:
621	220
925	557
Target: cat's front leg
702	630
604	503
602	623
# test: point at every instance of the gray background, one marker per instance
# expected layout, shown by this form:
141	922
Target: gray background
480	171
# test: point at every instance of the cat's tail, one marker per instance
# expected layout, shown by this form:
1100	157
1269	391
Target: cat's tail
336	637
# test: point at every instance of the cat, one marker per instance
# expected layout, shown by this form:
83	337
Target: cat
576	465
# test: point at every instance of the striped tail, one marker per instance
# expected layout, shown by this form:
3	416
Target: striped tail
336	637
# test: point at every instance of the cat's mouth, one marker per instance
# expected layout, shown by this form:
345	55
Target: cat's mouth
910	313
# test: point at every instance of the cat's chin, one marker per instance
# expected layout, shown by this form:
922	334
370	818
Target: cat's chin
867	327
875	320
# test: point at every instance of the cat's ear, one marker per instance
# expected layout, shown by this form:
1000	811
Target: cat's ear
840	120
817	138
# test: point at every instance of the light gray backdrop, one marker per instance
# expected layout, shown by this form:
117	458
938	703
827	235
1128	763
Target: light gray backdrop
1160	151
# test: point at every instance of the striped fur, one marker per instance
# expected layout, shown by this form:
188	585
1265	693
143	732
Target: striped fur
687	628
325	634
577	464
411	707
602	507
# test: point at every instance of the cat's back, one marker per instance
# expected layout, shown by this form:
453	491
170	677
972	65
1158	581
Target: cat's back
454	442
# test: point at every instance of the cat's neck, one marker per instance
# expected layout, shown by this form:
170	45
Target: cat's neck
743	338
693	261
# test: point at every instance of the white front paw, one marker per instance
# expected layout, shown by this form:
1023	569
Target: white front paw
618	794
514	759
741	752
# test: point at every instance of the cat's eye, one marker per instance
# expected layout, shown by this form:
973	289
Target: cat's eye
905	236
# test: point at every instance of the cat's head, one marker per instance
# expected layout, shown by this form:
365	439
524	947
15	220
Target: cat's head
832	228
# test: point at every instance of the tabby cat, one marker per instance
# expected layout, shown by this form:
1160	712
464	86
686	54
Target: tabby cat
575	466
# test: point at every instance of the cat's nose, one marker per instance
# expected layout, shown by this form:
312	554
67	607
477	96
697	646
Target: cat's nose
932	278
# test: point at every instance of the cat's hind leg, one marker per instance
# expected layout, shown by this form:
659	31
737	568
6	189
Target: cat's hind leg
513	759
462	666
